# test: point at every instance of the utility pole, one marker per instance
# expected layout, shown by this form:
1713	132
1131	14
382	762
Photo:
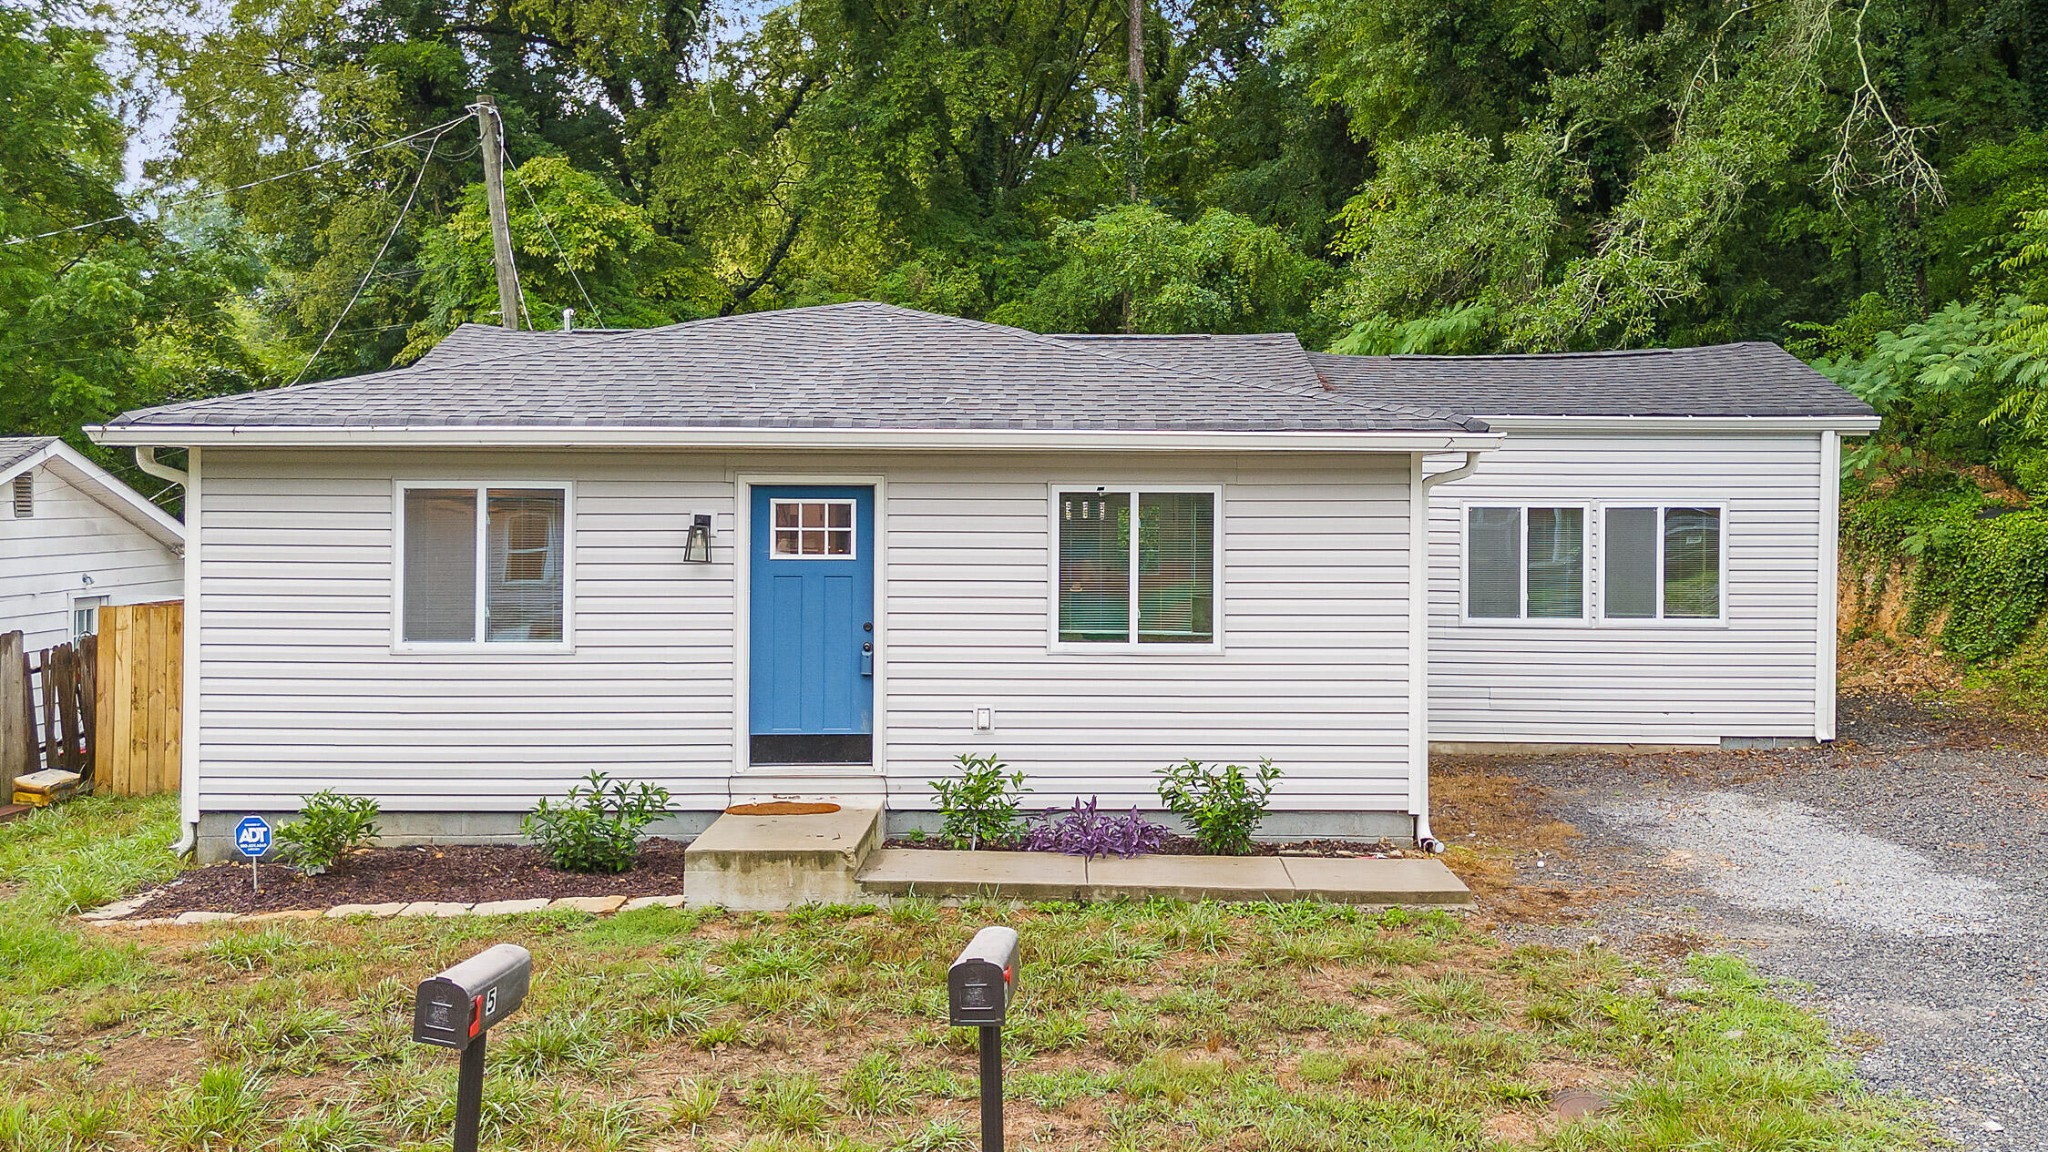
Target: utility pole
1134	103
501	228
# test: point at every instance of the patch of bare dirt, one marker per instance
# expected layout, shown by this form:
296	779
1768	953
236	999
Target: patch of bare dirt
458	873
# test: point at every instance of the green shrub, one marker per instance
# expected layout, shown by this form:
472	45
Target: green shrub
981	806
1222	806
597	826
329	827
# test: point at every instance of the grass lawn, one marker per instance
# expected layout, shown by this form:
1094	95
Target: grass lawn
1146	1027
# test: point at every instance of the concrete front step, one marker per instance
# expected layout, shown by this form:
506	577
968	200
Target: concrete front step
1046	876
767	863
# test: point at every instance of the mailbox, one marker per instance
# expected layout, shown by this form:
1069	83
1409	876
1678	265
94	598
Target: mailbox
982	980
456	1008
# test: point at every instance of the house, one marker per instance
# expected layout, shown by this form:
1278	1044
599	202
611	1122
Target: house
73	539
828	550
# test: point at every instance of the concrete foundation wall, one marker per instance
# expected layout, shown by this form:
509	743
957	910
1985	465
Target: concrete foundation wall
397	829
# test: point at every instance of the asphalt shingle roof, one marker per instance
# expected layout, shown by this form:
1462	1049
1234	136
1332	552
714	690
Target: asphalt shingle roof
15	449
1274	356
859	365
1750	379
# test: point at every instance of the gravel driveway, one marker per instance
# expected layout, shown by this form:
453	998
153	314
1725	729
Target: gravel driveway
1902	874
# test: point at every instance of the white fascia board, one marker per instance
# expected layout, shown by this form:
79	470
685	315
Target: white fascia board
113	494
808	439
1848	425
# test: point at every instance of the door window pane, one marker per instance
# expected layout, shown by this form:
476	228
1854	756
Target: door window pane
523	585
1494	551
1631	591
815	528
1557	563
1095	566
440	564
1176	561
1692	562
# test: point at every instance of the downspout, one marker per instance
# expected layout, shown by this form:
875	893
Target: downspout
145	459
1425	838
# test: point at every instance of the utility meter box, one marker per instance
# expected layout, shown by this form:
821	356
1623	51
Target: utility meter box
456	1007
982	981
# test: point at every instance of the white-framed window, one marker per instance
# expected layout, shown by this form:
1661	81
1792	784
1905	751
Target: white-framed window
1525	562
1664	562
85	616
482	565
811	529
1156	586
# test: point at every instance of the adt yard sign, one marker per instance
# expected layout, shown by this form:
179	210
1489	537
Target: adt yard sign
252	836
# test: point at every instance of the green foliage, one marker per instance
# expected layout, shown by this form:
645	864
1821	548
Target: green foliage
982	804
330	826
1981	569
1222	806
596	828
637	277
1134	268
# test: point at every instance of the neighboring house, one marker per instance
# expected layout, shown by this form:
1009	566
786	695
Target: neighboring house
74	539
822	551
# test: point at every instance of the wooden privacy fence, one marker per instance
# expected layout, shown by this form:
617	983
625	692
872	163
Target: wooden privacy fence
107	707
47	713
141	698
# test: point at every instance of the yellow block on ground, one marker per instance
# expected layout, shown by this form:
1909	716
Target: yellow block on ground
41	788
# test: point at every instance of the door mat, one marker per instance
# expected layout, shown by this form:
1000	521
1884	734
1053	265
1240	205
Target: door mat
783	808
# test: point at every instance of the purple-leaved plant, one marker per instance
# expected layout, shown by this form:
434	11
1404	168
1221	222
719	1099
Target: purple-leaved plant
1085	830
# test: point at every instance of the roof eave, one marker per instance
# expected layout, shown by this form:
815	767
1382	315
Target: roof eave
1853	424
894	439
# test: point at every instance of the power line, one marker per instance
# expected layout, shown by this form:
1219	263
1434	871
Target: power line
417	180
395	274
240	187
570	268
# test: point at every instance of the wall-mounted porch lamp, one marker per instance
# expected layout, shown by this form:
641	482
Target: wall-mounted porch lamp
697	549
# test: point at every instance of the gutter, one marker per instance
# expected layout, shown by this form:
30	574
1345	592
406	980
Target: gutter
809	439
145	459
1425	837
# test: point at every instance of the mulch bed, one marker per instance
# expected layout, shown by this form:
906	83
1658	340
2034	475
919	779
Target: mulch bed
457	873
1189	846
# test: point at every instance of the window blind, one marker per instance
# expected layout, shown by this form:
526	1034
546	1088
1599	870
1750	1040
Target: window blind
1631	560
1176	567
1557	563
440	564
1095	566
523	579
1494	555
1692	562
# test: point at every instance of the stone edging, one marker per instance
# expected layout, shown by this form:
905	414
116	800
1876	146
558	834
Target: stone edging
116	915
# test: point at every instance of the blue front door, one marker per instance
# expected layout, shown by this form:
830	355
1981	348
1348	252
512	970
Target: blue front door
812	626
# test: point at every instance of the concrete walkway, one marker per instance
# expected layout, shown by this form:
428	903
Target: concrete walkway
765	863
1047	876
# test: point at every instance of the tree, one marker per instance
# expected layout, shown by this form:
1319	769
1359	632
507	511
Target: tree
100	312
1135	268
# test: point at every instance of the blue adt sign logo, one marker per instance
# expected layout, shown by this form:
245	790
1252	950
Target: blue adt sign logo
252	836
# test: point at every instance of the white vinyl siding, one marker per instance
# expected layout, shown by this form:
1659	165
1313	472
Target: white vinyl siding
299	688
45	558
1751	673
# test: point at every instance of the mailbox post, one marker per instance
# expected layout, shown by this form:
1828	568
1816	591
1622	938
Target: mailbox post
979	987
456	1010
